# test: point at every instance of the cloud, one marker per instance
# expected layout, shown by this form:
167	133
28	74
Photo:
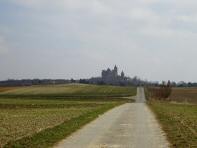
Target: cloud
135	34
188	18
3	46
64	5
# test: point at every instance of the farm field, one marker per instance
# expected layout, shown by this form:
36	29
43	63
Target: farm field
187	95
179	95
69	90
3	89
41	122
179	121
177	115
19	119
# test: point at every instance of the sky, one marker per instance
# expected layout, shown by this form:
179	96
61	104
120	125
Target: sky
153	39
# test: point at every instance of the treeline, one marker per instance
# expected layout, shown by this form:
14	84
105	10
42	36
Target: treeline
185	84
173	84
97	81
135	81
29	82
118	81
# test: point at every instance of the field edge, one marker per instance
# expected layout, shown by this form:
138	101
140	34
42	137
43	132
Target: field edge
169	124
51	136
159	121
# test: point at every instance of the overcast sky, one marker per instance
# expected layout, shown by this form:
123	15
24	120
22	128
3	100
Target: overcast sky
153	39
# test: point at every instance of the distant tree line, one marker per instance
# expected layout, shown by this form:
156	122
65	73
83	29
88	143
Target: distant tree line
126	81
29	82
118	81
173	84
135	81
98	81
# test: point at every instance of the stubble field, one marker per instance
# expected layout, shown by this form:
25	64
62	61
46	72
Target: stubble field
178	116
186	95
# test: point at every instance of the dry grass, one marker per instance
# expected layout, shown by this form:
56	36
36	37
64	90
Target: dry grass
179	121
186	95
4	89
71	90
182	95
158	93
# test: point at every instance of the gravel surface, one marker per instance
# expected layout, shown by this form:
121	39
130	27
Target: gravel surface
131	125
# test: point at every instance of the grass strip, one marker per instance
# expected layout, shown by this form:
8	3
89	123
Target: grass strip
28	106
50	136
76	97
85	99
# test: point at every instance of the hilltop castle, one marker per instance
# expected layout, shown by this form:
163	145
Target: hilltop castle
112	75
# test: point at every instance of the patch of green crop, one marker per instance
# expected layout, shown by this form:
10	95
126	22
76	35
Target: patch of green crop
50	136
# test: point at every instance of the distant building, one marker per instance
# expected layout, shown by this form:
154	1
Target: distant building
122	74
110	77
110	74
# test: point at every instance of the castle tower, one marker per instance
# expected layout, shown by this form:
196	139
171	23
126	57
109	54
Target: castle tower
115	70
122	74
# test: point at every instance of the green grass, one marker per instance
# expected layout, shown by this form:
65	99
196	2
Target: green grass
69	90
179	121
40	116
7	103
17	123
26	117
50	136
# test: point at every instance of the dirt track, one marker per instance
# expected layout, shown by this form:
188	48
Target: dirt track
131	125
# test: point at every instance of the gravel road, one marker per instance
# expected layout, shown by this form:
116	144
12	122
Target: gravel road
131	125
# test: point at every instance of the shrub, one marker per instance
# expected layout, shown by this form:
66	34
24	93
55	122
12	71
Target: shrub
160	93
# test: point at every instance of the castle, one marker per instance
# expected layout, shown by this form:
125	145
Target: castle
111	75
